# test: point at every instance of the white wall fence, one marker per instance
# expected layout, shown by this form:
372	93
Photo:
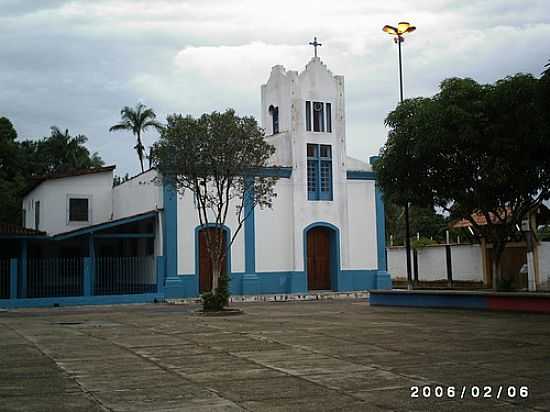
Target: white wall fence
432	263
544	264
466	263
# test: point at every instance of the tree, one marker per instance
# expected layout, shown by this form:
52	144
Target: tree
11	183
471	149
137	120
424	220
20	162
214	157
61	153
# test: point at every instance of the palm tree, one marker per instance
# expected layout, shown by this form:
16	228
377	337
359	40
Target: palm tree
137	120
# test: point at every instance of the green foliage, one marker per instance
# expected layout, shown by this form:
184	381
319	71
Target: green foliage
472	148
423	220
422	242
137	120
59	153
20	162
118	180
219	299
214	157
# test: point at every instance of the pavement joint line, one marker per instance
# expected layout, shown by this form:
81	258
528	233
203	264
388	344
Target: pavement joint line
84	390
166	369
233	354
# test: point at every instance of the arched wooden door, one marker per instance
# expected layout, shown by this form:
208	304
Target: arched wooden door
205	267
318	258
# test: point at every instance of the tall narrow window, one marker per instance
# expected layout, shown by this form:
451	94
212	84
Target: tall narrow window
24	217
37	215
325	171
308	116
329	118
274	111
312	172
319	172
318	117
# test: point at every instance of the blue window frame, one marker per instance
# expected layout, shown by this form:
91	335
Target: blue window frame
319	172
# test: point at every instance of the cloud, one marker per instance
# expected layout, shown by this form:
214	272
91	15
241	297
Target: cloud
76	63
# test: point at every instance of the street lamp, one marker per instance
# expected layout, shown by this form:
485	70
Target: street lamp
397	33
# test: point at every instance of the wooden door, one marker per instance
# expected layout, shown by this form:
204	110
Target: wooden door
205	267
318	259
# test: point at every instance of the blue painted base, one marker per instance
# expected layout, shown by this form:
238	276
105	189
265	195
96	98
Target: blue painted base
184	286
80	300
383	280
349	280
267	282
427	300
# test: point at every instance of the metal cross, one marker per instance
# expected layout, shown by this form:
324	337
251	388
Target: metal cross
315	44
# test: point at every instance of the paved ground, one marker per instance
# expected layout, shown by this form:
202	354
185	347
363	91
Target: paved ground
309	356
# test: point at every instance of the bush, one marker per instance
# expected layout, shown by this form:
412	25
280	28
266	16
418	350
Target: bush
219	299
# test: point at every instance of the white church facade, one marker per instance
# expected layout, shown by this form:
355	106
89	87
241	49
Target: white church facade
325	230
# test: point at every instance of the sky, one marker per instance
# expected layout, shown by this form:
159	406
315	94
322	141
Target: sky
75	64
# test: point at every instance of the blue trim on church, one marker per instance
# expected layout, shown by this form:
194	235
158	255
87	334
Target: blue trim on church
383	278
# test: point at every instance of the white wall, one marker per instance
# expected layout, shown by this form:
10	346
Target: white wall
432	264
53	197
188	221
362	251
544	264
140	194
274	230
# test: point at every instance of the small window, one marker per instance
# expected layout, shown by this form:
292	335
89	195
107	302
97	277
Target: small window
329	118
37	215
78	210
274	112
318	117
308	116
24	218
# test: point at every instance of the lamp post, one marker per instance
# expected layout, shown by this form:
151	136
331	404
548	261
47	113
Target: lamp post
398	33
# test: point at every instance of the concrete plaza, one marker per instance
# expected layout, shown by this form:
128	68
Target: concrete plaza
299	356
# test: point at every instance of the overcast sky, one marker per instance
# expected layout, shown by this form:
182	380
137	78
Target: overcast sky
74	64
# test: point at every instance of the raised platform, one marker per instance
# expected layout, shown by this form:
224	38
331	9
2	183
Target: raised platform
283	297
459	299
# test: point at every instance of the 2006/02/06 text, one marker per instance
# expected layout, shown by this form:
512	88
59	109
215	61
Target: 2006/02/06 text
470	392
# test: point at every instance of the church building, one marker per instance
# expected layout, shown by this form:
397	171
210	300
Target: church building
87	241
326	228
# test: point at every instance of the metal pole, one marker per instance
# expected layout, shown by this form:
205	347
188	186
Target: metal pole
407	226
399	41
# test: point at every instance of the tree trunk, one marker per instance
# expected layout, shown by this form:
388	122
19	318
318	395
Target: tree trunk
140	151
215	275
498	251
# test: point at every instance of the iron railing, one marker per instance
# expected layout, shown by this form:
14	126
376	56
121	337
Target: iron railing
5	278
125	275
54	277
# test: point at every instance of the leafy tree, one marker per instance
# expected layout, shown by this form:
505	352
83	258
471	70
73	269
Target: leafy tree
137	120
472	148
61	153
118	180
423	220
11	183
21	161
214	158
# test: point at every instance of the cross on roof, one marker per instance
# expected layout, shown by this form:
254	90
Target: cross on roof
315	44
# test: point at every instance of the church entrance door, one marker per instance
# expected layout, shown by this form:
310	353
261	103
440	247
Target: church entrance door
205	267
318	258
